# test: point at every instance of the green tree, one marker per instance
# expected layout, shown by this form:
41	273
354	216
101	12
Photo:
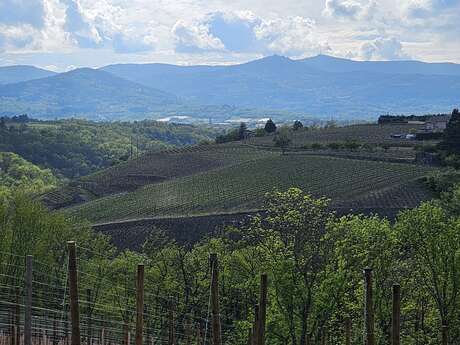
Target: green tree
270	126
242	130
431	241
451	139
282	141
297	125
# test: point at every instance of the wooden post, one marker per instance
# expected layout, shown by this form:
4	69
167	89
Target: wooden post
73	294
28	300
199	332
125	333
396	319
445	335
216	335
255	326
140	305
89	323
17	320
347	331
55	335
323	335
262	309
187	331
172	332
368	308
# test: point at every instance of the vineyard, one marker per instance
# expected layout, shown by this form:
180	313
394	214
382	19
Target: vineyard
241	187
365	133
152	168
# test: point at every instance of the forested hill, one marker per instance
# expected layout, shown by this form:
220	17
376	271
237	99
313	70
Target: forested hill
73	148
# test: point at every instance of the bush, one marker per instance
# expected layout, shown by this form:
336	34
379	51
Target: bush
317	146
335	146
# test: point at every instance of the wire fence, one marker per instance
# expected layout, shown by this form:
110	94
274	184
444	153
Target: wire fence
39	309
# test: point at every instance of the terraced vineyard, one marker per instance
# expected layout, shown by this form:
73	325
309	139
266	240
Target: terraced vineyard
242	186
153	168
366	133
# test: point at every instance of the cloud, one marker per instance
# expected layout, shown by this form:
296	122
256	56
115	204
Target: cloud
16	37
383	49
80	28
291	36
244	32
429	8
194	37
20	12
342	8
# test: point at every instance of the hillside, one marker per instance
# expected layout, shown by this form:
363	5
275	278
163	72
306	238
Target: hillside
80	92
74	148
242	187
17	74
332	64
321	86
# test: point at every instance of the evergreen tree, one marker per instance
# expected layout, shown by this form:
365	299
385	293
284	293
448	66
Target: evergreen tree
451	140
297	125
270	126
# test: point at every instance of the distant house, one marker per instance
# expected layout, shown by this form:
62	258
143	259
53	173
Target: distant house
437	123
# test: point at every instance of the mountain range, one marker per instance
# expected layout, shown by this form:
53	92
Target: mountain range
276	86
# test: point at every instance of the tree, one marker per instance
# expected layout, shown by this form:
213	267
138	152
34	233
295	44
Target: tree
282	141
431	240
270	126
297	125
451	140
241	131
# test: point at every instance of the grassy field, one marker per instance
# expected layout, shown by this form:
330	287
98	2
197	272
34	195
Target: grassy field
241	186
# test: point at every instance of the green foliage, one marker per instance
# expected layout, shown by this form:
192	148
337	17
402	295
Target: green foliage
443	180
451	140
297	125
270	126
282	139
74	148
17	174
313	259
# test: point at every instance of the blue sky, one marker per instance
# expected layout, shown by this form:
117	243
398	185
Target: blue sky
64	34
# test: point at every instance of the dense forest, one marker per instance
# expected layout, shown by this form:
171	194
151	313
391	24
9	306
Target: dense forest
73	148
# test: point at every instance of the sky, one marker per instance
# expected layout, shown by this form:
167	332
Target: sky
64	34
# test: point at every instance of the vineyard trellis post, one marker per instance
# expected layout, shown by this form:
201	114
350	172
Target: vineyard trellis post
172	333
396	319
17	319
347	330
73	294
89	334
368	308
255	326
28	301
445	335
216	329
140	305
262	309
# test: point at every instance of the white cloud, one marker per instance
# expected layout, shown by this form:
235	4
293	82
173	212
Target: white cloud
93	32
383	49
194	36
244	32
